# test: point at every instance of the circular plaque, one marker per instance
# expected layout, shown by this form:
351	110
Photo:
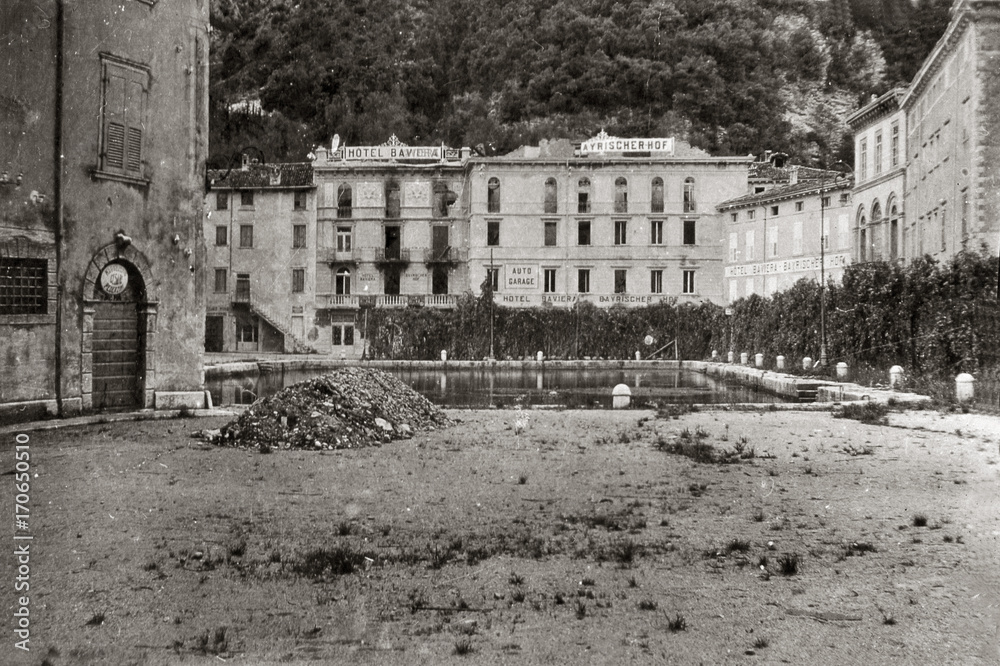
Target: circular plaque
649	340
114	279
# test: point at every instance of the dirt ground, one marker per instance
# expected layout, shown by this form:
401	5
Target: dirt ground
529	537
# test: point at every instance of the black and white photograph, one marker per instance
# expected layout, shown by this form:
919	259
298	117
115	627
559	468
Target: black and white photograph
514	332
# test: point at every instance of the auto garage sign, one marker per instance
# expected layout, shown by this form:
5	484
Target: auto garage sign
520	276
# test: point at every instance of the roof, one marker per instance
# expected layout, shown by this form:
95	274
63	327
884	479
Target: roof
792	191
878	107
263	176
767	172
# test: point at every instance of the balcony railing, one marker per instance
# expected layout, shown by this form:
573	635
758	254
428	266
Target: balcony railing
335	256
339	300
392	301
440	300
242	294
386	255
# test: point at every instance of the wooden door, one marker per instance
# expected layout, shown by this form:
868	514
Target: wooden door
117	347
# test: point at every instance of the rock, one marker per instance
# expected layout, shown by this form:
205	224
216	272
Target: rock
405	430
383	424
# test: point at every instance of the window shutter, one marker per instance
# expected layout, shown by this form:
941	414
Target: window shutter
114	149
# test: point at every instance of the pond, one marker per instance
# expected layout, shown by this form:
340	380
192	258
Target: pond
507	387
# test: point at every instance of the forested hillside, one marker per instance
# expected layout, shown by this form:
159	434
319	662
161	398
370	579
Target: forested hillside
729	76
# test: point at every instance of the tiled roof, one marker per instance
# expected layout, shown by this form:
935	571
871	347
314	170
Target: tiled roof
263	176
780	192
765	171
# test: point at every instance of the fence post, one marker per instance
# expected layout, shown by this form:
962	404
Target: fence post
744	358
779	363
842	370
759	360
807	363
964	389
895	376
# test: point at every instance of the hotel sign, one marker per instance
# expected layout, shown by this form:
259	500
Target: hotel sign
602	143
789	266
389	153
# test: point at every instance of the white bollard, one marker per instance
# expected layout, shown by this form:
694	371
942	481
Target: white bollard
807	363
343	354
895	376
444	354
842	370
779	362
715	355
964	387
638	355
539	356
744	357
621	396
758	360
730	357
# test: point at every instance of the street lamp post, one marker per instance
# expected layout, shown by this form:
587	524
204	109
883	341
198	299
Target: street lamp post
822	262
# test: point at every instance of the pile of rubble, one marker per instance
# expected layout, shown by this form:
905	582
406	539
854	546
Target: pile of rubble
345	409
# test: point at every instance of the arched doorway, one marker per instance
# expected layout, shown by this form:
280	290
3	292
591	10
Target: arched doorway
119	337
119	330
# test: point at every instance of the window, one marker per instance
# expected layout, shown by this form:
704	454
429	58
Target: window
24	286
798	206
246	235
342	282
550	234
248	332
863	159
758	189
689	236
221	281
298	280
733	217
825	202
734	247
123	117
620	277
894	144
750	243
772	242
770	285
222	201
439	280
493	233
298	236
583	281
246	198
493	195
689	205
583	196
621	195
656	282
345	201
343	335
656	203
878	152
687	286
550	280
221	235
656	232
243	287
442	200
299	200
344	239
551	194
774	210
751	214
797	238
493	275
392	199
583	233
621	232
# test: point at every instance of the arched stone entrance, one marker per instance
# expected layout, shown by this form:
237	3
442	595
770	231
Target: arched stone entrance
119	318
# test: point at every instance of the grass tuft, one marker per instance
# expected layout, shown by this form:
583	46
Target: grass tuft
789	564
678	623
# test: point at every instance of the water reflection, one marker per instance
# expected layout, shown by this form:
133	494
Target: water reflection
480	387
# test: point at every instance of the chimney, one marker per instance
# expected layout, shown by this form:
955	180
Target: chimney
793	175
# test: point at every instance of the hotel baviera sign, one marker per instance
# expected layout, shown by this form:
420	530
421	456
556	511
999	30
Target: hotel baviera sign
610	144
569	300
788	266
385	153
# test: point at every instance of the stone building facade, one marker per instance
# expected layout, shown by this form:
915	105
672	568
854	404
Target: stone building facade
260	234
103	137
609	221
773	236
952	108
880	152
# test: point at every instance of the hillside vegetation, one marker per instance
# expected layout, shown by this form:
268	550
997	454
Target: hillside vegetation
729	76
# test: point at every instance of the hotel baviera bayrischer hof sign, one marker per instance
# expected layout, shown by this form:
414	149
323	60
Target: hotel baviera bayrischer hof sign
602	143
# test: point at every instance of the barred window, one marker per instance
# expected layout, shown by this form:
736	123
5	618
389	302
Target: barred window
23	286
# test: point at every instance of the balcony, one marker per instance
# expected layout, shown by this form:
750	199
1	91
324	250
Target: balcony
242	294
448	255
440	300
333	256
337	301
392	301
392	255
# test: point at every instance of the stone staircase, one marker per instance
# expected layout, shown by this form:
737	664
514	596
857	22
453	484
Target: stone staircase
283	326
